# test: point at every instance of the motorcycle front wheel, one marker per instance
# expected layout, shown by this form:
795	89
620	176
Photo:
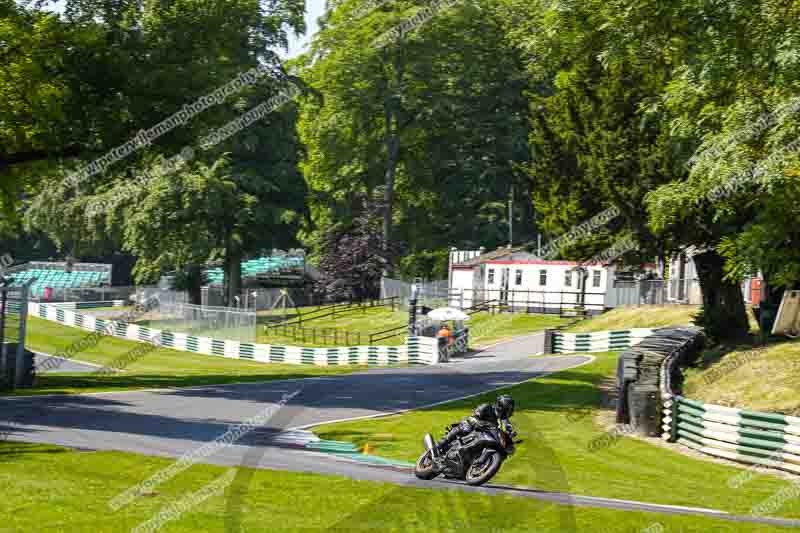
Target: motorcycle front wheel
480	474
424	469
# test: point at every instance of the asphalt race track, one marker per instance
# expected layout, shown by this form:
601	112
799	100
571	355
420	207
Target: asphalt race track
174	422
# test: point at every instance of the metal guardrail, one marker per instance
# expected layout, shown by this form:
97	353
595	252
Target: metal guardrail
758	438
766	439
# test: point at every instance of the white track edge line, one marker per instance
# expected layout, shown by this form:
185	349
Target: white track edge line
427	406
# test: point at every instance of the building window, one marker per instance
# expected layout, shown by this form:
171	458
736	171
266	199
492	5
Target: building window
543	277
596	278
491	276
518	281
568	278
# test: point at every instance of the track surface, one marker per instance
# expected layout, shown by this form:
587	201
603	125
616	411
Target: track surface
66	365
174	422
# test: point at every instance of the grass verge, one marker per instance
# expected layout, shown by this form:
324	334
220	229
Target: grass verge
556	418
749	378
161	367
485	328
51	489
638	316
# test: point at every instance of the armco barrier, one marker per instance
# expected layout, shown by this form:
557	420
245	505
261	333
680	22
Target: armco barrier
416	351
601	341
766	439
639	374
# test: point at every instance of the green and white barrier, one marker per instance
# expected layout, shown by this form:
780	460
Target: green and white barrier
767	439
89	305
416	351
600	341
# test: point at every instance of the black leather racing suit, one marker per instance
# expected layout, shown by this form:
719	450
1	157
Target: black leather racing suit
467	426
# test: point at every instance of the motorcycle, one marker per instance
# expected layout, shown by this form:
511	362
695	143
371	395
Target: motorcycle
475	458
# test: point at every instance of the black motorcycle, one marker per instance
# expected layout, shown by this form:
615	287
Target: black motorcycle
475	458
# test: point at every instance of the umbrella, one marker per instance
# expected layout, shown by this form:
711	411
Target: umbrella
448	313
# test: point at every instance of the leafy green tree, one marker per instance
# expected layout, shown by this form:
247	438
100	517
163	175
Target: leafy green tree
437	120
148	60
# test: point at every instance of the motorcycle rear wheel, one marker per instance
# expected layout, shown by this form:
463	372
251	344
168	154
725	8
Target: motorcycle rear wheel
424	469
480	474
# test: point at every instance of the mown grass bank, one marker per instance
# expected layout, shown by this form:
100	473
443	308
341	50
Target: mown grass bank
161	367
52	489
759	379
565	449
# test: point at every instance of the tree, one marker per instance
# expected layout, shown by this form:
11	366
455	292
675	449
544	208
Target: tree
148	60
354	255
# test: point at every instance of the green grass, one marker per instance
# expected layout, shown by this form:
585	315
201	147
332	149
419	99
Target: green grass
646	316
638	316
486	328
353	328
51	489
121	308
552	419
160	368
366	321
761	381
202	329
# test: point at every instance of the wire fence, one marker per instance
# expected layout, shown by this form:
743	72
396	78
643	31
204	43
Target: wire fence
84	294
165	296
263	299
216	322
431	294
654	292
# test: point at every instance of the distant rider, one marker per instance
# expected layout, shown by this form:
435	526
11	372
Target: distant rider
485	416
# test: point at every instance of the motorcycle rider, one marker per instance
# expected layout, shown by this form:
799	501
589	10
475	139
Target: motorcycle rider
485	416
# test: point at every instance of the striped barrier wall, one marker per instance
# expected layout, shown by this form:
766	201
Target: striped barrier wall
416	351
90	305
600	341
766	439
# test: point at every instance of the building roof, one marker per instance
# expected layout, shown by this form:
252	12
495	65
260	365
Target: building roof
506	256
497	255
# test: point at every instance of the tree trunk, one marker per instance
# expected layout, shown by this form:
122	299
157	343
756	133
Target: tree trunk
393	149
195	284
724	316
233	270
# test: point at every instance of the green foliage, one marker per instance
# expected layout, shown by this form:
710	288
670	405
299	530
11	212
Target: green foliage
128	67
450	95
425	264
354	256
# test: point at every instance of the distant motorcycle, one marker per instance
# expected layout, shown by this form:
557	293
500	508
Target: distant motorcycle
475	458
